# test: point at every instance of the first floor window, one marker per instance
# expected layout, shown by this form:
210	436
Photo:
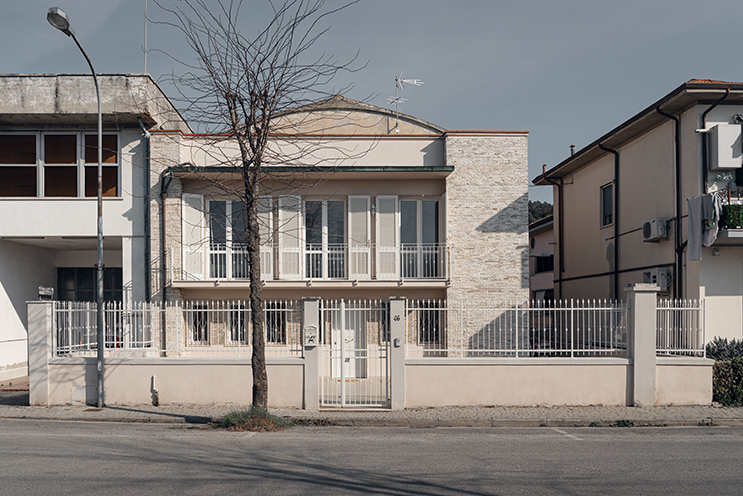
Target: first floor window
607	205
79	284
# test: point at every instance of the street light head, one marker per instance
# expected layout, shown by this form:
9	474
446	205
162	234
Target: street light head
59	20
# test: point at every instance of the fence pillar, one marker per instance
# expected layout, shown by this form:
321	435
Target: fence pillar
397	352
312	352
643	317
40	335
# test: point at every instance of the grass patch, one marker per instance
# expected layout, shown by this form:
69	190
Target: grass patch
254	419
624	423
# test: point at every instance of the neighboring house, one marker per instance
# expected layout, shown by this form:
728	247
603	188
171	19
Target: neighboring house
622	205
48	188
541	259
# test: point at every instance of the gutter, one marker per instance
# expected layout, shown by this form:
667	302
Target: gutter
560	258
677	168
616	217
147	234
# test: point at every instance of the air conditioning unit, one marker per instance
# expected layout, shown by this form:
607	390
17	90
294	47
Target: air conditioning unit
658	276
654	230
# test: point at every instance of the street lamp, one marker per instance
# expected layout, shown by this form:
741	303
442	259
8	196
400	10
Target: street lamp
59	20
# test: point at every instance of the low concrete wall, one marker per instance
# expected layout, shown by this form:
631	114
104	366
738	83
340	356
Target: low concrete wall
191	381
683	381
511	382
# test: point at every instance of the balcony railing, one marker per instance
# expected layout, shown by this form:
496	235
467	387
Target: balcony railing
331	262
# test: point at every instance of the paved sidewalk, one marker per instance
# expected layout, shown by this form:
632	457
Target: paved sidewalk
14	396
554	416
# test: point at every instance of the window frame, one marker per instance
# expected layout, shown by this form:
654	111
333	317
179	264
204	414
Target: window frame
602	212
80	165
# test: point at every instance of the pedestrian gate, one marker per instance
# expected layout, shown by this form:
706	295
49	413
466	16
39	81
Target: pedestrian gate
354	339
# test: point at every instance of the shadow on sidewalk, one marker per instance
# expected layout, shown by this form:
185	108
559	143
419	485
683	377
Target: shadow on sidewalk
189	419
14	398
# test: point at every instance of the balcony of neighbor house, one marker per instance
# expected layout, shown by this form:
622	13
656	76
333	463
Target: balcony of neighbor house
329	265
731	220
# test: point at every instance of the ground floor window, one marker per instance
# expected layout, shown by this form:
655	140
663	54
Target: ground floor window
79	284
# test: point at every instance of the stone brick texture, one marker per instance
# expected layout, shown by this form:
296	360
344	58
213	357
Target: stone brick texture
487	216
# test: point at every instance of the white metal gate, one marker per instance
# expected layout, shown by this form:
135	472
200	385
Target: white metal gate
354	340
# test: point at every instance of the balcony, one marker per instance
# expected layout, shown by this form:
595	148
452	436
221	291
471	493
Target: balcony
332	263
731	221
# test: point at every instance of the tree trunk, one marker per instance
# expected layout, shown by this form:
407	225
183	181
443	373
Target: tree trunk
258	361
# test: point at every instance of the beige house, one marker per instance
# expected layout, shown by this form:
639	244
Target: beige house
622	205
541	259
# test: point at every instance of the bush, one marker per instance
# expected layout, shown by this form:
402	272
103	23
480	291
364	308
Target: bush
727	382
254	419
722	349
727	374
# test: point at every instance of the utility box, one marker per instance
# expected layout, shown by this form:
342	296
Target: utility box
724	147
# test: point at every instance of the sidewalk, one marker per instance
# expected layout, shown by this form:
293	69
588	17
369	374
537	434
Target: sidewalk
14	397
556	416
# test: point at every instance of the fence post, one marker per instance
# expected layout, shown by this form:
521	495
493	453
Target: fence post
312	352
397	352
643	322
40	335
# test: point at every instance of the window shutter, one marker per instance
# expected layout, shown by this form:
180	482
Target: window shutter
290	237
358	237
265	221
387	237
194	236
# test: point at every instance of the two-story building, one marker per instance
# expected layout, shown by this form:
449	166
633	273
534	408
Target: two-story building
637	205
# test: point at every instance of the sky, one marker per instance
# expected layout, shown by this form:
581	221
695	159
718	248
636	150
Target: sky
566	71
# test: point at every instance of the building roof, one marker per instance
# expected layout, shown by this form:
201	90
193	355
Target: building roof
690	93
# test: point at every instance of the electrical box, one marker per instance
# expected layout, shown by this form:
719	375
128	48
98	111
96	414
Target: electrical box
658	276
724	147
654	230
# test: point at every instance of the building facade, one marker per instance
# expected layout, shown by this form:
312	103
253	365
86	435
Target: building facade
622	205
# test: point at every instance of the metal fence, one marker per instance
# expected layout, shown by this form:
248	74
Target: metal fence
441	328
680	328
214	328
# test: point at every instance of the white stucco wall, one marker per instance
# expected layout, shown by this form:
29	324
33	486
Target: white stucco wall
22	270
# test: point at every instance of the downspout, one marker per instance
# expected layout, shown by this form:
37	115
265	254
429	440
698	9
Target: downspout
677	167
560	259
705	159
616	217
147	235
165	179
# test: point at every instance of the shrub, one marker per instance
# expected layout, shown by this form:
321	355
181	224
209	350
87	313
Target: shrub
732	217
254	419
722	349
727	382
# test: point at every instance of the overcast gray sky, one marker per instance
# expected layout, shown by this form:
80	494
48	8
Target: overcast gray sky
566	71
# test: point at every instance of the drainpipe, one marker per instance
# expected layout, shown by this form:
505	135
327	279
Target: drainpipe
165	179
560	259
705	159
616	217
677	167
147	238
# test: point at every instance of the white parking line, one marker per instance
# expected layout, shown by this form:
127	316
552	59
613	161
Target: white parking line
566	434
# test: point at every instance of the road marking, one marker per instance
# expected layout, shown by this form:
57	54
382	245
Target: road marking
249	434
566	434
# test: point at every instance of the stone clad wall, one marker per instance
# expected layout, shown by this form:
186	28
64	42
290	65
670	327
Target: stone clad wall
487	215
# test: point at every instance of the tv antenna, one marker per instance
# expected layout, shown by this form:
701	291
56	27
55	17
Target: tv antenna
400	83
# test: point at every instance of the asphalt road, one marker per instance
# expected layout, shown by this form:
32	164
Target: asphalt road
108	458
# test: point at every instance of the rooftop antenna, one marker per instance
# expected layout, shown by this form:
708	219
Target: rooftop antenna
145	37
397	99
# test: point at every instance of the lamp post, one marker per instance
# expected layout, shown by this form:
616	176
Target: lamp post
59	20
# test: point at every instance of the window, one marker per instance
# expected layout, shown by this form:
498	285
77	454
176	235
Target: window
200	324
57	165
430	323
228	238
544	264
607	205
419	238
325	236
79	284
18	165
275	321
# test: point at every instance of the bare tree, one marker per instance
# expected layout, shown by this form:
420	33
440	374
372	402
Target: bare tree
237	87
